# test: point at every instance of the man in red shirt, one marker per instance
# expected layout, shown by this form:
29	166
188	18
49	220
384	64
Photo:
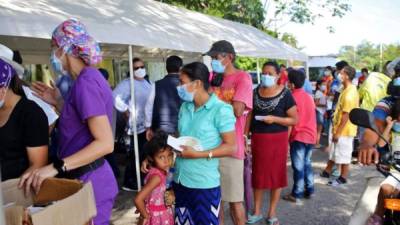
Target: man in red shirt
236	89
302	138
283	78
363	77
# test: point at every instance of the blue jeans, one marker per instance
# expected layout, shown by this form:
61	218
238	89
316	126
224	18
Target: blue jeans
303	176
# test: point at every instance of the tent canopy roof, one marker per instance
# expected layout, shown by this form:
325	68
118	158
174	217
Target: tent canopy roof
142	23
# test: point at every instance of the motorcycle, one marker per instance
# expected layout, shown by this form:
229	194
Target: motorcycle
389	160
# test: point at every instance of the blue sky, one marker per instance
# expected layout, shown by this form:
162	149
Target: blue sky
372	20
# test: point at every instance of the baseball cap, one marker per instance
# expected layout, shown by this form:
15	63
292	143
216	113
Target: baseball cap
6	54
222	46
393	66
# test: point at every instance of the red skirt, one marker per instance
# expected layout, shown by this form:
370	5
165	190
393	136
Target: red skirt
270	152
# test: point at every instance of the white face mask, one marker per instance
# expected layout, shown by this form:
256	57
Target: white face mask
323	88
140	73
340	77
3	93
3	100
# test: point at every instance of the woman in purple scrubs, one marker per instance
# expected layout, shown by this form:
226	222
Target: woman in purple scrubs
85	130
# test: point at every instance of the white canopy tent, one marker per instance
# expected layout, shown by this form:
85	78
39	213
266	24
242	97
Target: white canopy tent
143	23
124	28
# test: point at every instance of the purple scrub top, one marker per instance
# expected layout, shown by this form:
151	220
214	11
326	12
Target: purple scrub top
90	96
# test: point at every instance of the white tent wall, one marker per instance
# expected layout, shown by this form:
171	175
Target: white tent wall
140	23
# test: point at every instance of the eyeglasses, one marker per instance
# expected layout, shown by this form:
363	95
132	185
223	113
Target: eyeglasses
140	67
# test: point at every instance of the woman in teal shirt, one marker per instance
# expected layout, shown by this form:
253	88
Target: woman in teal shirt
205	117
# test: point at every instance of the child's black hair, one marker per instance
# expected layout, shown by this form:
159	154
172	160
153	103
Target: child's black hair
155	145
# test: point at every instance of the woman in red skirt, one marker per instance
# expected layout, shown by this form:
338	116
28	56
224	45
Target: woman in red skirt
273	113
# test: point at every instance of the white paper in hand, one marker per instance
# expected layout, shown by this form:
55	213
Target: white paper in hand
176	143
48	110
260	118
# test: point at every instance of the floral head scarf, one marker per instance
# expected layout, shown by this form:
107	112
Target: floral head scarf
72	36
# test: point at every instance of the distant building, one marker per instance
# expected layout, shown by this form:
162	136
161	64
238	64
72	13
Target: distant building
317	64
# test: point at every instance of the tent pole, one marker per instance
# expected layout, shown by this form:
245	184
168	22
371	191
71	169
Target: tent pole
133	121
307	69
258	70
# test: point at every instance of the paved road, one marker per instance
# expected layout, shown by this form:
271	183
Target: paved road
330	206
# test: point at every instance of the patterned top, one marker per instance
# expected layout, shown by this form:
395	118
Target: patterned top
384	107
155	205
237	87
275	106
156	197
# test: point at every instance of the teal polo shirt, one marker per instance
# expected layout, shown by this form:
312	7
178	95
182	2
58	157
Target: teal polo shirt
207	123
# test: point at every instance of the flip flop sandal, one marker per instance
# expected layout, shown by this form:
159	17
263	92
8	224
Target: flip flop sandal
273	221
254	219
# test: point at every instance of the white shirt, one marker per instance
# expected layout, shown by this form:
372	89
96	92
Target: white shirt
322	100
143	102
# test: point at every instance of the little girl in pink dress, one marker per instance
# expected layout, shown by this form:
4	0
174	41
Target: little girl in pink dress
150	200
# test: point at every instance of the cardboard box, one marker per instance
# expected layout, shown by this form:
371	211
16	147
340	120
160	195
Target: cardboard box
74	203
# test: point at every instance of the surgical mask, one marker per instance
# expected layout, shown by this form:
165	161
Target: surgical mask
327	73
3	100
57	64
140	73
184	94
323	88
396	127
267	80
340	77
217	66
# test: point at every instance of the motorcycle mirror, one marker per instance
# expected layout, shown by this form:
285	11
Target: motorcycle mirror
363	118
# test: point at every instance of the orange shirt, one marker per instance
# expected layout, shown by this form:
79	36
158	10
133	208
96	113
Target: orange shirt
328	80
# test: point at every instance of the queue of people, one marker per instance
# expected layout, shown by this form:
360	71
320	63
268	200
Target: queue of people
219	109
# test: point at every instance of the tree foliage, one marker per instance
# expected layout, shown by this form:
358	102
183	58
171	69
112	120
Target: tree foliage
254	13
307	11
249	12
368	54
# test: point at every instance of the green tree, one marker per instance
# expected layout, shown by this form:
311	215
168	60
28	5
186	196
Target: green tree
367	54
391	51
254	13
248	12
304	11
291	40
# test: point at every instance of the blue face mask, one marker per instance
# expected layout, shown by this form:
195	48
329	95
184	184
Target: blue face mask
217	66
267	80
396	127
184	94
57	64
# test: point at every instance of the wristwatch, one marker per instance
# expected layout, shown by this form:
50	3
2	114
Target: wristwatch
59	165
210	155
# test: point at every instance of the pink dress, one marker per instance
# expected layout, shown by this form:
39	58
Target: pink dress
159	213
